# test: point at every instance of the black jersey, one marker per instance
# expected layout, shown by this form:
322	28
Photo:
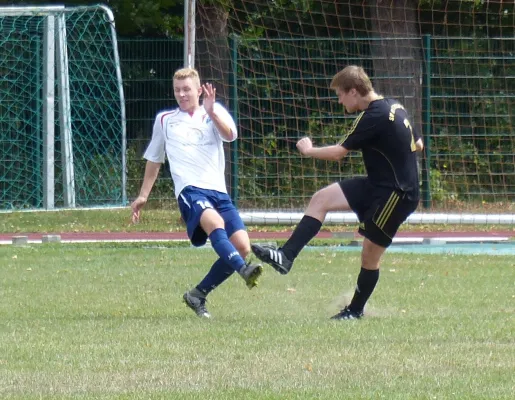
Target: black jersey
386	139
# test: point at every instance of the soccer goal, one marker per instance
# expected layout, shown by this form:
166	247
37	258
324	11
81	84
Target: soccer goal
452	64
62	116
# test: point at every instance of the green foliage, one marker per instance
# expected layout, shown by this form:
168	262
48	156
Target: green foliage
163	187
164	18
149	18
441	190
98	179
472	155
272	174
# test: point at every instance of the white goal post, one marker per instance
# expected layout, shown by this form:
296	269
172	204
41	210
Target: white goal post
43	34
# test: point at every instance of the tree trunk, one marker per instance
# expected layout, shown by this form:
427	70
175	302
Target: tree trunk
212	53
396	48
213	58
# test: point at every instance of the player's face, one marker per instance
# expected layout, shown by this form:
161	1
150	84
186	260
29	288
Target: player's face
187	92
348	99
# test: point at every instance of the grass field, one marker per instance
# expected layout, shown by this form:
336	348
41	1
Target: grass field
166	220
107	322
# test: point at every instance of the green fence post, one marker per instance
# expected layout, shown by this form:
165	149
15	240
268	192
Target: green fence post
234	107
426	117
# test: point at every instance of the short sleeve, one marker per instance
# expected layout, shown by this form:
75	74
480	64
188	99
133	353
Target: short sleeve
156	149
227	119
362	132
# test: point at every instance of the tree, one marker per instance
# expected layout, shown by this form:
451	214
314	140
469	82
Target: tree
396	50
212	53
149	18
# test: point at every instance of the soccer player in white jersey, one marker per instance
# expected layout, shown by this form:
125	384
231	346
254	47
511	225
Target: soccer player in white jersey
192	137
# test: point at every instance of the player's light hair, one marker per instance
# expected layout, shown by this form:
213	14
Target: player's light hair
352	77
185	73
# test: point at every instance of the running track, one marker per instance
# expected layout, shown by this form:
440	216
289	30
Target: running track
161	236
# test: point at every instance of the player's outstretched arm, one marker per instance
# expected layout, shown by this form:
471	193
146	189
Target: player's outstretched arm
151	172
329	153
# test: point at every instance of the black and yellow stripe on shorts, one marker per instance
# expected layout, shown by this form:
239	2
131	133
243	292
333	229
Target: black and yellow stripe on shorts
387	210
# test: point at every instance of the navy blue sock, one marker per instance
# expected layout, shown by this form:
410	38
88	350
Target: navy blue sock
225	249
218	273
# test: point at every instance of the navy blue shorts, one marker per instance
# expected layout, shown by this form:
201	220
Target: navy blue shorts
192	203
380	210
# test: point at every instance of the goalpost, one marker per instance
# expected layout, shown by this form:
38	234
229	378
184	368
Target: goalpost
452	65
62	112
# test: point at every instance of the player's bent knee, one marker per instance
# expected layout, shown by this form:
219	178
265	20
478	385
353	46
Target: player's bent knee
243	248
245	252
211	220
371	254
240	240
319	201
330	198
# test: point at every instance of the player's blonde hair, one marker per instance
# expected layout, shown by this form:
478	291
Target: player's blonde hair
352	77
185	73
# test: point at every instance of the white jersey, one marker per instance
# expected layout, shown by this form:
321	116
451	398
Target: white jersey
193	145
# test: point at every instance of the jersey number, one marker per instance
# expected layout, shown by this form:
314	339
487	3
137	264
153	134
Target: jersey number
408	125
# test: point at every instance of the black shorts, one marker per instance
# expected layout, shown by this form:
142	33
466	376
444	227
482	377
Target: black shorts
380	210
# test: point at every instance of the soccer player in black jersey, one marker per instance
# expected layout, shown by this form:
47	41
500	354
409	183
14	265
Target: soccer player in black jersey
382	200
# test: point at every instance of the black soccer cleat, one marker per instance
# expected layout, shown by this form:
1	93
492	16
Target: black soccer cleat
197	304
273	256
251	273
347	313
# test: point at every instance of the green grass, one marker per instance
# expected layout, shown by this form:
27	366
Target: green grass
109	220
163	220
107	322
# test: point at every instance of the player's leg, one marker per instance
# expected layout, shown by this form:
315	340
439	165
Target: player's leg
367	279
191	206
237	233
240	240
213	224
380	225
330	198
221	271
220	220
203	221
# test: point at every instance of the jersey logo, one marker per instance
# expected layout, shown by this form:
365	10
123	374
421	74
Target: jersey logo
206	119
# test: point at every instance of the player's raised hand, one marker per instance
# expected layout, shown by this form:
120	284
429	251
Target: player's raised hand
136	206
304	145
209	97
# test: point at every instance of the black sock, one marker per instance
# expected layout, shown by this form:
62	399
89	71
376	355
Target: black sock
367	280
306	230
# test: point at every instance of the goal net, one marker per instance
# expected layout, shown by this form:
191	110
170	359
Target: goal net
452	65
62	121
